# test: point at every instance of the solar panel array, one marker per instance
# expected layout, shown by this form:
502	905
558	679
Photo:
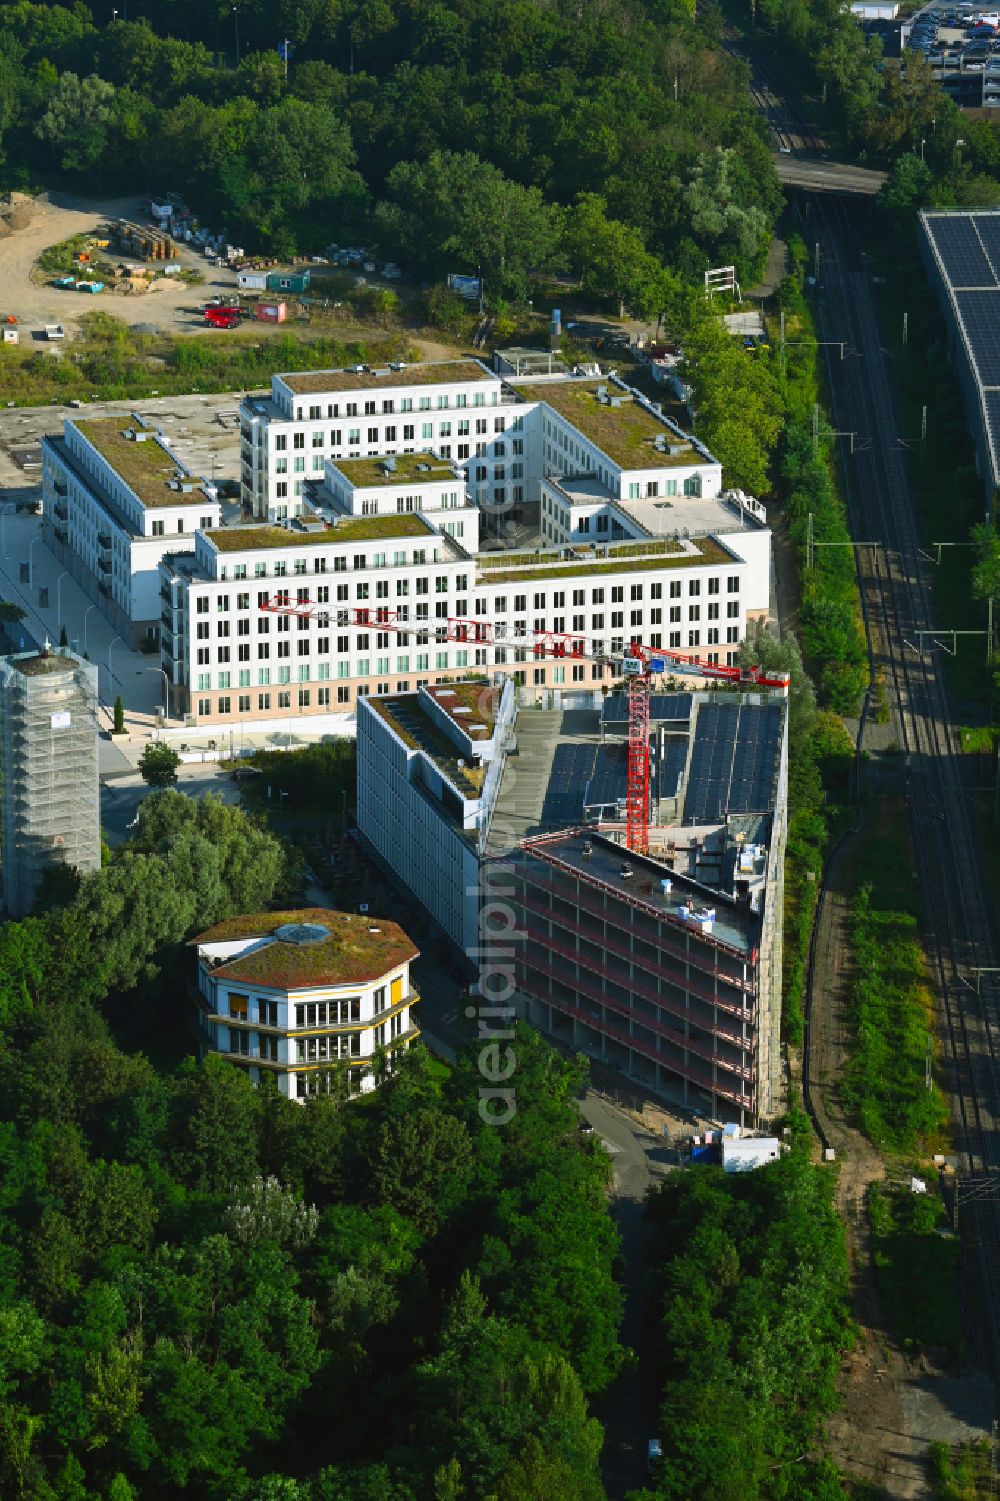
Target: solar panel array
711	762
672	763
572	766
758	746
663	707
609	783
734	760
968	247
961	250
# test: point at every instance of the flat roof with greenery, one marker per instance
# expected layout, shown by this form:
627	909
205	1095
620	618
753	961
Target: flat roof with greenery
411	469
472	706
709	553
625	433
352	529
434	373
145	466
357	950
405	714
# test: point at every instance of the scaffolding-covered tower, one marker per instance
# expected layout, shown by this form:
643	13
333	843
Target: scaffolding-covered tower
48	758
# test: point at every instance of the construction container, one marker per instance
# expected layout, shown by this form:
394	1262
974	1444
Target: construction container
288	281
10	335
90	286
251	281
66	282
271	312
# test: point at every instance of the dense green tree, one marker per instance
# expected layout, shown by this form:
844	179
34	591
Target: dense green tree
158	764
77	121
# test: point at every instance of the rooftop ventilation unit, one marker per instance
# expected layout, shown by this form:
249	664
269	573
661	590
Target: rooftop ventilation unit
588	849
423	468
389	465
626	872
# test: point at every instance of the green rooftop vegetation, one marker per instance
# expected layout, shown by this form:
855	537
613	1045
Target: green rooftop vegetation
354	529
708	554
479	698
144	466
625	433
410	469
358	949
405	715
437	373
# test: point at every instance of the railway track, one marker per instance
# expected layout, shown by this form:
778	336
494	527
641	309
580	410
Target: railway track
896	600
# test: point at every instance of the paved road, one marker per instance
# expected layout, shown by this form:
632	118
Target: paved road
797	169
629	1408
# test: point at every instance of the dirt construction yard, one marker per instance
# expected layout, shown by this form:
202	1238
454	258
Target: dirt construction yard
51	218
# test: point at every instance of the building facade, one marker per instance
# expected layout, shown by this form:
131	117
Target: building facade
306	995
114	500
429	770
48	759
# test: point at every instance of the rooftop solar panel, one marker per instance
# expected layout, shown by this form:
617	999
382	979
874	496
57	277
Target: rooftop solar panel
988	231
961	252
980	313
572	766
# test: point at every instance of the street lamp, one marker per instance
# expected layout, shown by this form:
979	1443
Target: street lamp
63	575
85	614
31	549
111	680
236	23
166	693
923	143
958	150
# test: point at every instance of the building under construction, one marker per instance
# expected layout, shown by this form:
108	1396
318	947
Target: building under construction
664	964
48	759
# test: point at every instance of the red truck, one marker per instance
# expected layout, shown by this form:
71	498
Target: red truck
222	317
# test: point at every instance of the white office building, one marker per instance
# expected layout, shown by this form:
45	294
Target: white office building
115	499
398	580
302	994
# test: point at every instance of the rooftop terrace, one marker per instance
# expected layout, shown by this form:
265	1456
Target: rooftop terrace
410	469
632	557
435	373
145	466
356	949
625	432
353	529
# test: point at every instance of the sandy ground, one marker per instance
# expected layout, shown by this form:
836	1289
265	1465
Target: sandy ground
34	302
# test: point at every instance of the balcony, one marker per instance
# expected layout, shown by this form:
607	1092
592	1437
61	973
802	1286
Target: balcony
104	565
59	486
60	534
104	541
103	589
61	510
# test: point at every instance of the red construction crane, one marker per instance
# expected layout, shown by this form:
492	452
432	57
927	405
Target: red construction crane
640	664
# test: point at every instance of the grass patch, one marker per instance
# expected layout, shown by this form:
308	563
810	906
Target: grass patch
889	1016
113	361
916	1266
961	1472
60	260
974	738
